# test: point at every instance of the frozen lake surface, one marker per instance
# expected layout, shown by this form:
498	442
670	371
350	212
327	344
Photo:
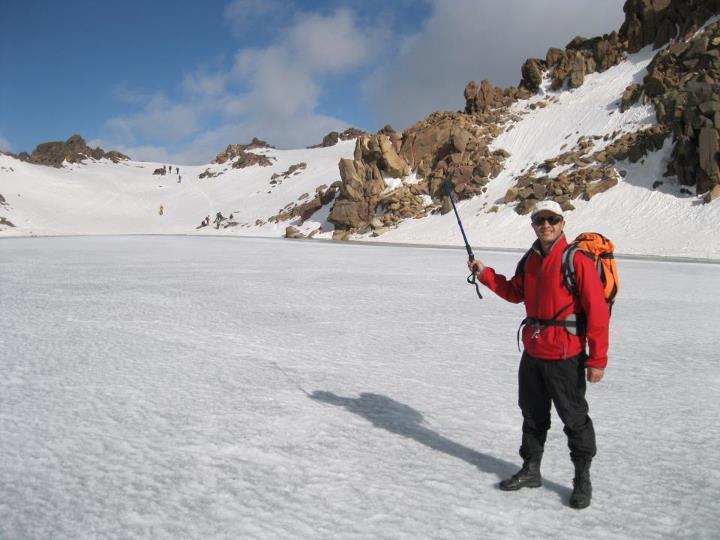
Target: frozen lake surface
188	387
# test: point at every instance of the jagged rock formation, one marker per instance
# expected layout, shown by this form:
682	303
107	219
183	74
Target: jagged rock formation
297	168
304	210
363	181
241	158
444	145
658	21
207	173
74	150
683	82
332	138
486	97
585	173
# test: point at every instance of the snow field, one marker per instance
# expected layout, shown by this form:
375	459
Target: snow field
256	388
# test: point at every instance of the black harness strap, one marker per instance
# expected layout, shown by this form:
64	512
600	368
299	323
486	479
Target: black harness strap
540	324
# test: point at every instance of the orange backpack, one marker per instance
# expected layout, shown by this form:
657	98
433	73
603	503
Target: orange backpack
601	251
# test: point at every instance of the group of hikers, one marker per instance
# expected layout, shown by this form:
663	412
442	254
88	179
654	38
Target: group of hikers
167	169
567	296
219	218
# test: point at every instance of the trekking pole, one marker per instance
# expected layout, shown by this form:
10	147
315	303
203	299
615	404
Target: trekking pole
448	185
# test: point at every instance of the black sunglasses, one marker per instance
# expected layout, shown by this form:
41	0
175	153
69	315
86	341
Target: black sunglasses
552	220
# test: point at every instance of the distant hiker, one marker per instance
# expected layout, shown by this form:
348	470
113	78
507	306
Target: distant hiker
554	366
179	179
177	169
161	210
218	219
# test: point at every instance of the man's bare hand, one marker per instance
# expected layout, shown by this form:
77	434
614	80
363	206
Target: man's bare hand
595	375
476	266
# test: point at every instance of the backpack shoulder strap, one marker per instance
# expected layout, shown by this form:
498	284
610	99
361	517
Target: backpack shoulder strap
522	263
568	267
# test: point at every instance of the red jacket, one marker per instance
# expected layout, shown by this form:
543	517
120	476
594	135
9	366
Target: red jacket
542	289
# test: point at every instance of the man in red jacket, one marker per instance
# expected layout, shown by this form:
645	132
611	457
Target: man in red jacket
554	366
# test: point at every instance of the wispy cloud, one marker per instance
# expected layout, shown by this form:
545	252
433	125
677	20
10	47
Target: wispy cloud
272	92
160	120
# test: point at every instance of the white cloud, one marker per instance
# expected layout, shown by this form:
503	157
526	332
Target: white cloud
202	82
477	39
160	120
5	144
331	43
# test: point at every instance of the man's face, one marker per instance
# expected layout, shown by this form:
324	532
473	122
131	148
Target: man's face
547	226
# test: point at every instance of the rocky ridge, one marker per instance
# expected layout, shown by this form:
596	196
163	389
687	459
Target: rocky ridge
74	150
240	157
332	138
682	81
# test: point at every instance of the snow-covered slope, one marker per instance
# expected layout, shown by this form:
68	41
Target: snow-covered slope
125	198
102	197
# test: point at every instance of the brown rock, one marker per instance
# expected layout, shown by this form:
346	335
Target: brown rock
532	74
708	148
713	194
293	232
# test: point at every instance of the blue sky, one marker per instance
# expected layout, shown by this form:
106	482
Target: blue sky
179	80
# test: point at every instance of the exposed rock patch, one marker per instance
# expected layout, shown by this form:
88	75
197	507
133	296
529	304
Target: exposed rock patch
683	83
74	150
658	21
586	173
303	209
240	156
207	173
332	138
297	168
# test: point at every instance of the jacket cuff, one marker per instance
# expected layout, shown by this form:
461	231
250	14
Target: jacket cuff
484	275
596	362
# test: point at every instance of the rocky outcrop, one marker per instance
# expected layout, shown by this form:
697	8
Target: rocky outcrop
569	67
207	173
486	97
74	150
443	146
332	138
303	209
683	83
297	168
455	146
240	157
658	21
363	181
585	173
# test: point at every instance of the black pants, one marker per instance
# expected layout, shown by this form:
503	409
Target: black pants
561	382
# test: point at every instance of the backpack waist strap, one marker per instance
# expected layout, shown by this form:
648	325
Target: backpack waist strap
575	326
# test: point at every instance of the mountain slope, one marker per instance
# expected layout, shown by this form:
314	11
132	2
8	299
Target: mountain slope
603	141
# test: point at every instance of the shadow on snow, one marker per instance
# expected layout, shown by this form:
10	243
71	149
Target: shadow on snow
395	417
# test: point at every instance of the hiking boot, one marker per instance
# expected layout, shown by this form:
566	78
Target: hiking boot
528	476
582	488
